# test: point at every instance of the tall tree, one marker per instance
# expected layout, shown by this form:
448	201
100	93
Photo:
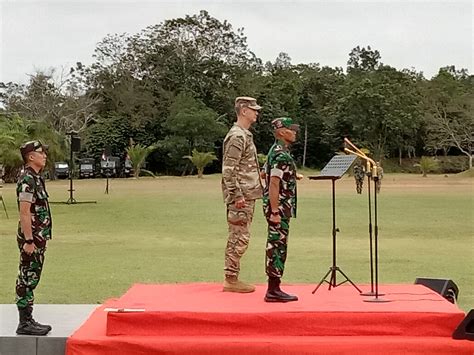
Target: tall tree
363	59
197	124
449	107
56	99
379	105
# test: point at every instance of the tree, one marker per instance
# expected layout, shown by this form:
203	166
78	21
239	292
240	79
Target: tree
15	130
13	133
449	107
57	100
110	133
362	59
138	154
427	164
379	109
321	90
197	124
138	77
200	160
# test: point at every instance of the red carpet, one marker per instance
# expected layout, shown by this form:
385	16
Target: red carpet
201	319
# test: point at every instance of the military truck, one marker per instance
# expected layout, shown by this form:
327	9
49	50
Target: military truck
61	170
86	168
110	167
127	168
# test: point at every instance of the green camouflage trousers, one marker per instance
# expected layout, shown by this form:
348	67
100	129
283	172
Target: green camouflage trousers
29	273
239	221
276	249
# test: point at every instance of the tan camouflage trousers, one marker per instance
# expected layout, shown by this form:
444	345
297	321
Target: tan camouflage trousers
239	221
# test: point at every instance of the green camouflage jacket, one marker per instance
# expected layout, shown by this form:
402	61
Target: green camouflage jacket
280	163
31	188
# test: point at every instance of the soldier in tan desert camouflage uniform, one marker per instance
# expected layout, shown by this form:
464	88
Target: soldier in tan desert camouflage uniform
241	186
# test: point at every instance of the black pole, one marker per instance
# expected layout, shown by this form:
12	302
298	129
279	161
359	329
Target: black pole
371	292
376	250
334	229
107	184
71	189
376	240
370	239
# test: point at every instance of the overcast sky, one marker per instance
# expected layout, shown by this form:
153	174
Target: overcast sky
424	35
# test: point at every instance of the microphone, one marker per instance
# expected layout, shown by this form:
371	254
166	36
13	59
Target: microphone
359	175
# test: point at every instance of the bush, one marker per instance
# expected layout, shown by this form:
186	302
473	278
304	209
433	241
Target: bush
446	165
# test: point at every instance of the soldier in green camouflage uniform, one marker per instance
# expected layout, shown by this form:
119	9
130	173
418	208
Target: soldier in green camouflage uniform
241	186
34	230
279	204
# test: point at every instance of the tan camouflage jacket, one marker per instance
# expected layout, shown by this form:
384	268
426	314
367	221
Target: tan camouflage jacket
240	170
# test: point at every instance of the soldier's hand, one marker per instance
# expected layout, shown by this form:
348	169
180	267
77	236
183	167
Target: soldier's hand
275	219
29	248
299	176
240	203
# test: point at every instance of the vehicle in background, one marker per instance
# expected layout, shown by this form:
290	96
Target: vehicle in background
61	170
128	168
86	168
110	167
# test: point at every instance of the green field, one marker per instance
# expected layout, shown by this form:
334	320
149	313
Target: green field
173	229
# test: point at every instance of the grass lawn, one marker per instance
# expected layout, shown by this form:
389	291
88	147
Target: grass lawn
173	229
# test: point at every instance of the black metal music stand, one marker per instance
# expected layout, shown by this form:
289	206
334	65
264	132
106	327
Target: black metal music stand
333	171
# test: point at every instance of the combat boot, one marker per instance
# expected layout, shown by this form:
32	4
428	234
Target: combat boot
275	294
32	320
26	327
232	284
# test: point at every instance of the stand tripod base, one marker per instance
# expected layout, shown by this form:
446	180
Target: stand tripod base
4	207
71	202
371	293
377	300
332	281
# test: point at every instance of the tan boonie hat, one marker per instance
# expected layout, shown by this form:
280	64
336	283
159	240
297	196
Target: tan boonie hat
245	101
32	146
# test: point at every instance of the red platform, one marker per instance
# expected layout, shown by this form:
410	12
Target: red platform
201	319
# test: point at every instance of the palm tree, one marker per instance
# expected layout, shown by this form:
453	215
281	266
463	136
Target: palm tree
200	160
16	130
13	133
427	164
137	154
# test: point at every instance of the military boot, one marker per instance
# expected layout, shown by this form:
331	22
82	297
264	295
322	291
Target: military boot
26	327
232	284
275	294
32	320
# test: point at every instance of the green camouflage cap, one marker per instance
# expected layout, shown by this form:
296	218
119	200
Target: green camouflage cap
285	122
32	146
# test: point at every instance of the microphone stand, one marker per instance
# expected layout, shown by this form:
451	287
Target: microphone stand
371	292
372	172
